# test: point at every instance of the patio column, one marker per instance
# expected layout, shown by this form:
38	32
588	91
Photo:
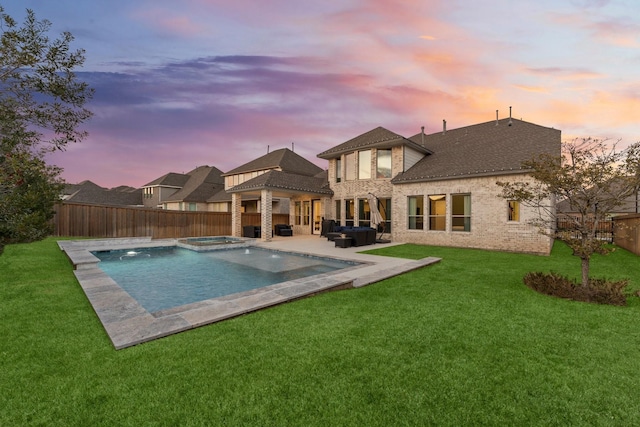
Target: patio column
236	215
266	211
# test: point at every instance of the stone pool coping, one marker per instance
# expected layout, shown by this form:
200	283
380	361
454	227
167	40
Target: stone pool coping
127	323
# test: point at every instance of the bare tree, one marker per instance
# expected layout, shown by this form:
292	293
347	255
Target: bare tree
594	177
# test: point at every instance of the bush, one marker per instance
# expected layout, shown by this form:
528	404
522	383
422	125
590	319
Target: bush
600	291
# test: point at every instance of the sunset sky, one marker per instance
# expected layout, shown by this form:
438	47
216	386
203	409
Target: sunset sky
218	82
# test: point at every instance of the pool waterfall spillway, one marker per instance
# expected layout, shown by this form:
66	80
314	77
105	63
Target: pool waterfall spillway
128	323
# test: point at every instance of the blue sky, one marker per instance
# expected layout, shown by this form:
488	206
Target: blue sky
185	83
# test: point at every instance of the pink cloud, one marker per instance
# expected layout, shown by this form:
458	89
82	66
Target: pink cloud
169	22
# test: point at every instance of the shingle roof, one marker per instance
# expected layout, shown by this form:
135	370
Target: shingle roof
170	180
284	159
484	149
203	182
277	180
375	138
88	192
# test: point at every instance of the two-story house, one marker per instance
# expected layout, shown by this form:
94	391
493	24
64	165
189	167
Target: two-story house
184	192
440	189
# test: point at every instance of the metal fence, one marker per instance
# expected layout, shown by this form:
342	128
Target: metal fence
84	220
604	229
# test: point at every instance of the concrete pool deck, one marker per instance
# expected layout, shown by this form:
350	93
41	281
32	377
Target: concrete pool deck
127	323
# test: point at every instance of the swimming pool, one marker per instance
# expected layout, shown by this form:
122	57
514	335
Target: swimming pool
168	277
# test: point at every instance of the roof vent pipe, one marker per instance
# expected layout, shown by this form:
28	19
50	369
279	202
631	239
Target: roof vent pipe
496	117
510	121
422	136
444	127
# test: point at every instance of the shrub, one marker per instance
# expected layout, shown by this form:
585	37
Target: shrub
600	291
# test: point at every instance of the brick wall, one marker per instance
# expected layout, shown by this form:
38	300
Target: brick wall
490	228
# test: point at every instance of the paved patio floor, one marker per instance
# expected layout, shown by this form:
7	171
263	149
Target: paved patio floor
127	323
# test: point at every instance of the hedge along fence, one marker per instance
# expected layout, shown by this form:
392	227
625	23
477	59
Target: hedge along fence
83	220
627	232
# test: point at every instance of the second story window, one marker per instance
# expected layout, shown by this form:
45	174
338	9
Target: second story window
383	166
338	170
350	164
364	164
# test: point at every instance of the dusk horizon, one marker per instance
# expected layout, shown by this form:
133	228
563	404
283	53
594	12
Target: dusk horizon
210	82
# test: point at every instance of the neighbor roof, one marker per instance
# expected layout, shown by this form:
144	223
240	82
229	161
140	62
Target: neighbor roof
170	180
89	192
203	182
375	138
485	149
283	159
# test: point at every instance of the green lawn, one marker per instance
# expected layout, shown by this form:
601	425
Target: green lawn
462	342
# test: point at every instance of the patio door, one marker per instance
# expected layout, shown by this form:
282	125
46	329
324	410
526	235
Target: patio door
316	213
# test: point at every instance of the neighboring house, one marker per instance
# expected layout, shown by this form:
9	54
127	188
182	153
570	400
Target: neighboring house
631	205
203	183
283	165
91	193
440	189
156	192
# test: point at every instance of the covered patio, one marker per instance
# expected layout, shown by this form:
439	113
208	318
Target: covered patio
278	184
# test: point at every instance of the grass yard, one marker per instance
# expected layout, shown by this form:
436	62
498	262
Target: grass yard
462	342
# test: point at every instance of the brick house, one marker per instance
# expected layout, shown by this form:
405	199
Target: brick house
203	183
440	189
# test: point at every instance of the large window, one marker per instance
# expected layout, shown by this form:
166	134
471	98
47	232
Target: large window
338	170
383	166
338	212
306	212
349	212
364	213
364	164
514	210
350	164
461	212
416	212
297	213
437	212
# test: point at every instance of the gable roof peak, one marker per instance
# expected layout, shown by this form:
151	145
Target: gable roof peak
283	159
379	137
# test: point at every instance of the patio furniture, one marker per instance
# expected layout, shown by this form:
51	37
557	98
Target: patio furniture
332	236
343	242
252	231
327	227
360	235
283	230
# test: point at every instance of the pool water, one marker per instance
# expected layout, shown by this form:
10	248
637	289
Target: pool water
163	278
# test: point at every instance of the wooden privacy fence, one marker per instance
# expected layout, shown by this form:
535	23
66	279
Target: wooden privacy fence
82	220
627	232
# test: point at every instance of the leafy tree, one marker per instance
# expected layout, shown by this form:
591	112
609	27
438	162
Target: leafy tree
41	108
594	177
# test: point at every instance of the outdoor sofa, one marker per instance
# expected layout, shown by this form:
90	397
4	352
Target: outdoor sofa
360	236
